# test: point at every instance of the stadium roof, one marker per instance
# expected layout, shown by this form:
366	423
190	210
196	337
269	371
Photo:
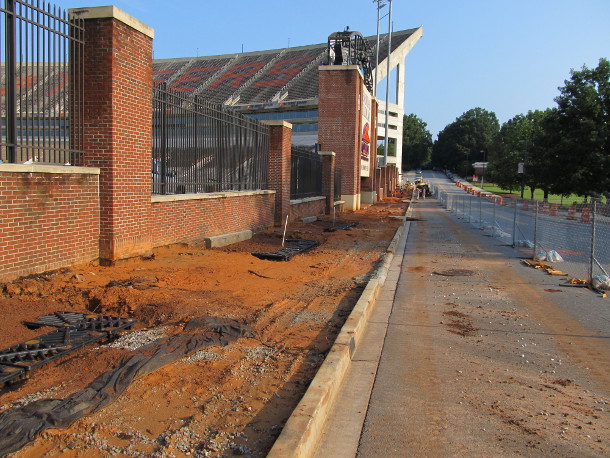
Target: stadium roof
262	77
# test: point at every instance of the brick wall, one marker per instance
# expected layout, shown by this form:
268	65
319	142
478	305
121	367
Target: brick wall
306	207
280	156
47	220
339	121
341	89
118	130
188	218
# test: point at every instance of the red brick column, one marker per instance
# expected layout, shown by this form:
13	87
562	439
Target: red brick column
118	126
280	155
339	124
369	184
328	179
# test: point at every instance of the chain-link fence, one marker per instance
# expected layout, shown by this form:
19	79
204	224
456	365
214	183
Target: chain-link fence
578	236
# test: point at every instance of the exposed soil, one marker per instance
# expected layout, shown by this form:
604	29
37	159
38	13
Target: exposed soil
229	400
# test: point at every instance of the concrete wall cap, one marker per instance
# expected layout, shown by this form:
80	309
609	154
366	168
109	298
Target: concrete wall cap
277	122
39	168
102	12
211	195
326	153
305	200
338	67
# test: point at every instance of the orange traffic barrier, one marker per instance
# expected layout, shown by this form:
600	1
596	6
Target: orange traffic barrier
553	211
585	215
572	212
546	207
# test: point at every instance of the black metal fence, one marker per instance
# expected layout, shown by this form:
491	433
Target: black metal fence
41	113
199	147
305	174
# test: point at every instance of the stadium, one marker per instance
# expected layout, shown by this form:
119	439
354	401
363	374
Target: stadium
282	84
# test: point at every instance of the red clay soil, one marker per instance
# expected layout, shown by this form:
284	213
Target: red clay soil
229	400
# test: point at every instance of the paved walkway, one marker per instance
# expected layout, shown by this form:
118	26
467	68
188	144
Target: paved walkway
448	340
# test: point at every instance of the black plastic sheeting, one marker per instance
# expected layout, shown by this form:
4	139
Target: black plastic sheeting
295	247
341	227
18	427
75	330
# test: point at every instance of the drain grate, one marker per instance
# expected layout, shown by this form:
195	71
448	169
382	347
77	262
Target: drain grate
340	227
297	246
75	330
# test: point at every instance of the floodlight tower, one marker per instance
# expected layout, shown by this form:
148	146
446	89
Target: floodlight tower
381	4
387	88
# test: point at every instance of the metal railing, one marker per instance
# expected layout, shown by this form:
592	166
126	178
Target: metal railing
200	148
41	107
305	173
575	239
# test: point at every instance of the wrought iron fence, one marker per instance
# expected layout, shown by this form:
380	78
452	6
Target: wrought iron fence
199	147
575	237
305	173
40	105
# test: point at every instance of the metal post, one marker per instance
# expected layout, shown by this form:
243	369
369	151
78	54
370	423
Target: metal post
387	89
10	82
480	212
495	202
592	256
379	6
164	137
515	224
536	231
469	209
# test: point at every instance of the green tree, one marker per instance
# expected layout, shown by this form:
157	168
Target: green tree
525	139
470	138
583	130
416	143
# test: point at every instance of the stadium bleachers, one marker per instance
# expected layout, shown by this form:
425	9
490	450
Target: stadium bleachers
246	78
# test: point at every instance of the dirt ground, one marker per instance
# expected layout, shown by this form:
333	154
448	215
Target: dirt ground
230	400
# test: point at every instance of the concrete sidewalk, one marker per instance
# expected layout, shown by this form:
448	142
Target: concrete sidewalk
458	324
469	352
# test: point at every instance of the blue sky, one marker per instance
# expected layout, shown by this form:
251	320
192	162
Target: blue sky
504	56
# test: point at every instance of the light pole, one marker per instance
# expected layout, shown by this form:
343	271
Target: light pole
483	169
521	168
380	5
387	87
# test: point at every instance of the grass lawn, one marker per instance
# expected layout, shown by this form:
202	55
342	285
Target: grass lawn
538	194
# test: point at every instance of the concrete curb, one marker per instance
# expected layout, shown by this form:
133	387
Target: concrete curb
304	427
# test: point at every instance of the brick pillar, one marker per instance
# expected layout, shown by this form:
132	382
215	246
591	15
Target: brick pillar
118	126
328	179
383	182
280	154
369	184
339	124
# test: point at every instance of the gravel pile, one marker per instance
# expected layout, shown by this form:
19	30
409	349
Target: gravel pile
137	339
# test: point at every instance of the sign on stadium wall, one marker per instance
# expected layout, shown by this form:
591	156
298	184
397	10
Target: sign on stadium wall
365	141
